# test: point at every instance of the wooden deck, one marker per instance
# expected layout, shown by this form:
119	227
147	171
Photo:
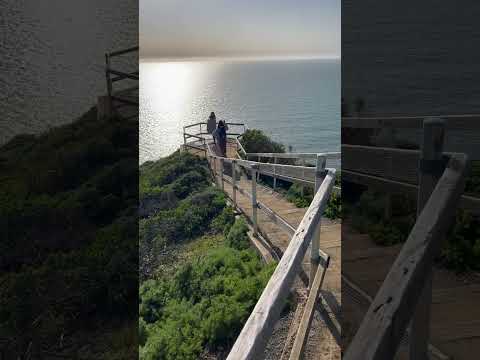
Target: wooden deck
454	325
324	336
320	334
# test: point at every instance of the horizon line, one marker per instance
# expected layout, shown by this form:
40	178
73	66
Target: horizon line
147	58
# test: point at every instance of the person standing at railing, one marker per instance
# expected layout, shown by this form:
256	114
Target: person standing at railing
211	123
220	138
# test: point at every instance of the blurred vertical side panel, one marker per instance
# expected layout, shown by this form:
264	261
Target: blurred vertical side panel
410	179
68	179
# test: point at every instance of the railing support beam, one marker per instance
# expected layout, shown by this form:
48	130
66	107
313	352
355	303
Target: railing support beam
315	248
274	173
430	171
222	167
254	199
234	183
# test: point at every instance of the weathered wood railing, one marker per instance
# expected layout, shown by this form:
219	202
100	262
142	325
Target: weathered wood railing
252	340
302	174
395	171
198	131
462	131
406	292
114	75
408	284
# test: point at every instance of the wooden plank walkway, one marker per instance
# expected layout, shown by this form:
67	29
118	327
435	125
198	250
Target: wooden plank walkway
454	324
324	337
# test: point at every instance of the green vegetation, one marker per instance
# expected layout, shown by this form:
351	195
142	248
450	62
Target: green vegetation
206	303
255	141
334	207
295	195
462	249
460	252
177	204
368	216
68	204
207	279
473	180
171	179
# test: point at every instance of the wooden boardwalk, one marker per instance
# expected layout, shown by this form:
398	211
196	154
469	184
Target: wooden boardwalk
454	324
324	336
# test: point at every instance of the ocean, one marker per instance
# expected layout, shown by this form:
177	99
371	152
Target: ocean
52	67
294	101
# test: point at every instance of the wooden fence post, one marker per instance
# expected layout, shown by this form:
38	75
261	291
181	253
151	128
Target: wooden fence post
234	183
431	168
258	172
222	166
274	173
254	199
314	252
389	142
215	169
303	175
109	81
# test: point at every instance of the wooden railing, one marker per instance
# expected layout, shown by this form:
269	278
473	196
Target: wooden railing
252	340
395	171
303	173
114	75
438	179
198	131
463	135
408	284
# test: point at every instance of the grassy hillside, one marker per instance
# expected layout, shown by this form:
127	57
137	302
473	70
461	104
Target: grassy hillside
200	277
68	201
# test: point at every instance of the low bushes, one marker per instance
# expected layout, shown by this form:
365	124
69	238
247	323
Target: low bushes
166	181
460	251
205	303
255	141
68	220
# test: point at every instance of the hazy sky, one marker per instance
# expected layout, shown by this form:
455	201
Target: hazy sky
187	28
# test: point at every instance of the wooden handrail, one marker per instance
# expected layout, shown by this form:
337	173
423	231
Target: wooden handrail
328	155
390	312
252	340
250	344
121	52
457	122
119	75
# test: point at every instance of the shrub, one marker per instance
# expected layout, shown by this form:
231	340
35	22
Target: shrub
205	303
334	206
223	222
255	141
462	249
237	237
295	196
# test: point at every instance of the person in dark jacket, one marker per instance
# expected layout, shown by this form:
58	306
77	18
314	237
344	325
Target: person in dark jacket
220	136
